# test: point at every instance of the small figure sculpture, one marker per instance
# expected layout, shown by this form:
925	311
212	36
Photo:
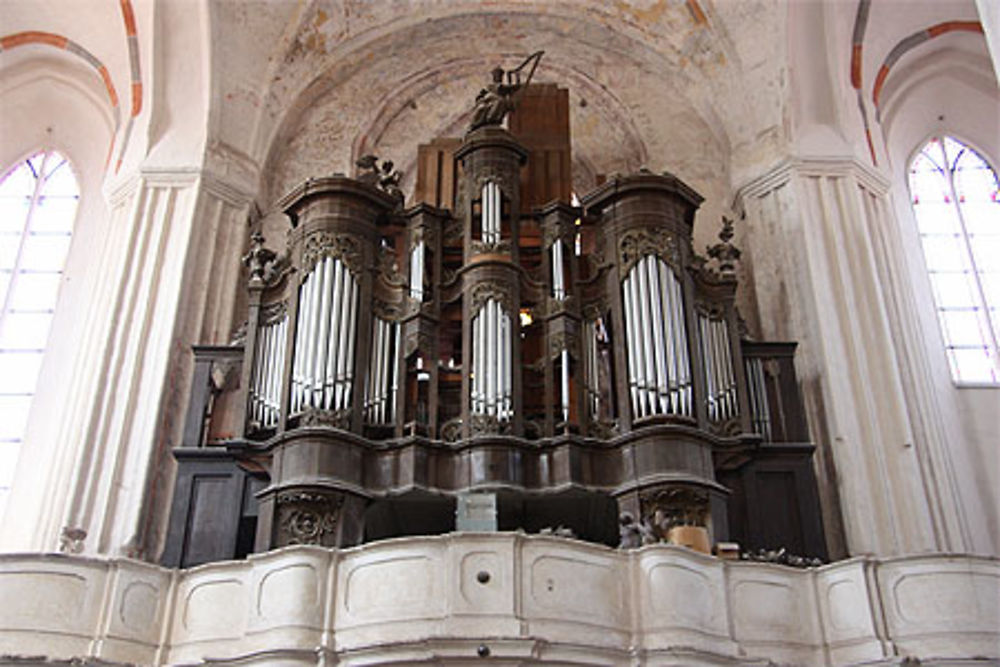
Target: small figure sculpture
633	534
71	540
497	99
383	176
368	172
389	182
258	260
725	252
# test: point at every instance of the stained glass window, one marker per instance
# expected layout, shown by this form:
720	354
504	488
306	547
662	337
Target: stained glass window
956	199
38	200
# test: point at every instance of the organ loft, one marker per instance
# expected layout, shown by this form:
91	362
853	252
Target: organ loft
501	355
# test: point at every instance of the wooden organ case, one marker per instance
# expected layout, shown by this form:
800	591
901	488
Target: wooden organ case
579	363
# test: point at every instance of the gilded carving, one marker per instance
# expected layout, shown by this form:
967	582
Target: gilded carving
345	247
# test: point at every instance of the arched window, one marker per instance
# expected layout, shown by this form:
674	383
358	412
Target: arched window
957	205
38	200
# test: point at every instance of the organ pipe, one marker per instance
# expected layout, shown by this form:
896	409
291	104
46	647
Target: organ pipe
324	338
383	373
720	381
558	274
492	363
491	208
265	389
417	271
658	366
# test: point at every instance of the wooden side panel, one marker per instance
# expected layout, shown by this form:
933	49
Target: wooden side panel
541	124
437	173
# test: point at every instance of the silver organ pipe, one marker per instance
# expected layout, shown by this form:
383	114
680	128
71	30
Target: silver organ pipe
383	373
558	275
492	363
269	363
325	289
417	271
659	344
491	207
564	383
760	411
720	381
477	373
265	388
672	360
506	375
658	365
491	357
324	338
591	372
631	338
330	370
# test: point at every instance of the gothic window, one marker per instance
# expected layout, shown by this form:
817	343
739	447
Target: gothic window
957	206
38	201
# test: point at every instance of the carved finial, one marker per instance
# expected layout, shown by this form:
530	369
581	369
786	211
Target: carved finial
725	252
258	260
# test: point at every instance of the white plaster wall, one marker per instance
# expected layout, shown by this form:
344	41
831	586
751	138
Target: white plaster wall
529	600
48	100
952	93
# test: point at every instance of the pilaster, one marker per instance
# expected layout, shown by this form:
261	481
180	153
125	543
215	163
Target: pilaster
818	276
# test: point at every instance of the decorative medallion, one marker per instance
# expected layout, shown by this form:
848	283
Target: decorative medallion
308	517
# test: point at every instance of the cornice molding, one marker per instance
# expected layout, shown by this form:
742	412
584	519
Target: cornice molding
838	167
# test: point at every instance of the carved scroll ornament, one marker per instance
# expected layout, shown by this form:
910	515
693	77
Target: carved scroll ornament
637	243
345	247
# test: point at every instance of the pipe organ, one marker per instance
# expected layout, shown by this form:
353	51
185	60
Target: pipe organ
576	361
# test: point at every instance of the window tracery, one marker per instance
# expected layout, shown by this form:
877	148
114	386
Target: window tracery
38	202
956	201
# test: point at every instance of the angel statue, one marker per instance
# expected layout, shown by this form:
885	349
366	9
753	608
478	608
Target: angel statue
498	99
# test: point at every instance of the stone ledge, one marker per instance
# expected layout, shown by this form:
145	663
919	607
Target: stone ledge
545	600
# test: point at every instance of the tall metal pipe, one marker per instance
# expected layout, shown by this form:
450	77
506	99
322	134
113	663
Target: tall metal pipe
351	337
508	351
491	358
564	385
340	379
659	322
630	343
